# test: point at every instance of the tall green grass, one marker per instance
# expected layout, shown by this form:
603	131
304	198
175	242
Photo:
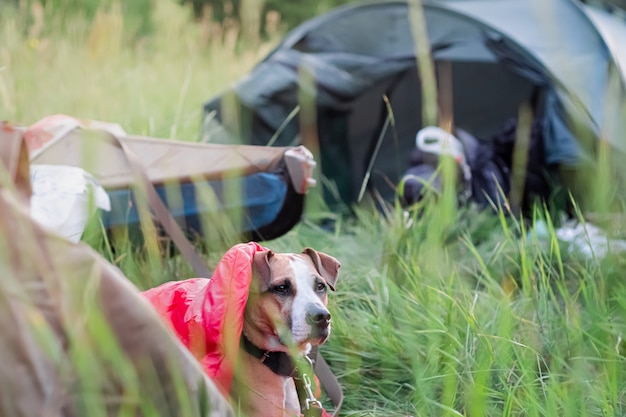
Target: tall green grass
444	312
505	323
91	69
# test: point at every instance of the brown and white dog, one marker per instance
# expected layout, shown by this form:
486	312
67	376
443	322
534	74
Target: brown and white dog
286	312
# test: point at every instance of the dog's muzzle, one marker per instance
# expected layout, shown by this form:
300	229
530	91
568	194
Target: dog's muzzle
319	320
317	316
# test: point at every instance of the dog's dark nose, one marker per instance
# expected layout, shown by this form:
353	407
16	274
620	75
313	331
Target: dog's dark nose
317	316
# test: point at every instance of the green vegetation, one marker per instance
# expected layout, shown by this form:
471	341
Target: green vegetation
458	314
291	13
91	69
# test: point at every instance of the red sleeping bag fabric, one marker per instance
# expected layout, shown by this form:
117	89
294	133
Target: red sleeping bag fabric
207	314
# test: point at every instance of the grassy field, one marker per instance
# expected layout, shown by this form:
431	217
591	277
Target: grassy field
461	313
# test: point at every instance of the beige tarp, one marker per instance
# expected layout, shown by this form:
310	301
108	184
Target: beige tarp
88	144
162	159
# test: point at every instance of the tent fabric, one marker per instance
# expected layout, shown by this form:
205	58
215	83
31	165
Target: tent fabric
207	314
561	57
613	31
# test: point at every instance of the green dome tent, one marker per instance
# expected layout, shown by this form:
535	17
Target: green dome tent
564	58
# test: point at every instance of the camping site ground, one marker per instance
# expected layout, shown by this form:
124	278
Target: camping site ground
456	313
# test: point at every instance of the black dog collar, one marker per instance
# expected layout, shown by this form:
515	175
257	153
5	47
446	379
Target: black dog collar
279	362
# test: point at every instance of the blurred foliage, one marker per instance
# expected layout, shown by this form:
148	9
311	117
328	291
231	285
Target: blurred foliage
295	12
292	13
137	14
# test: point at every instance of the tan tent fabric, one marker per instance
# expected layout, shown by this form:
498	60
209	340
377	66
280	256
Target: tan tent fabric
163	159
77	339
14	166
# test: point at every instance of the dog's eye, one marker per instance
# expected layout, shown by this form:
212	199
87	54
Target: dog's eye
320	287
280	289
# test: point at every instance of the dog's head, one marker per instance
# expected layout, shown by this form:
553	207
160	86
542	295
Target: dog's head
288	298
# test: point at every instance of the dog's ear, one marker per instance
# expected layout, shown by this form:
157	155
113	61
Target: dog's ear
326	265
261	266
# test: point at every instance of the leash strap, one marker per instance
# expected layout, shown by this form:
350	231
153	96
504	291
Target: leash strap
281	363
161	212
309	405
327	379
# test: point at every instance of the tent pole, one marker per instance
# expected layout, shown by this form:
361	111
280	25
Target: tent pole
366	177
